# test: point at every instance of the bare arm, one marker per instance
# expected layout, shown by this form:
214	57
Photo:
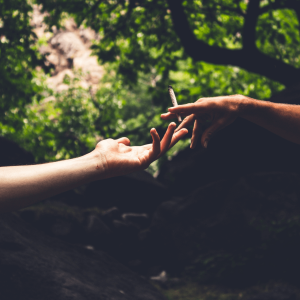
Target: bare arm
281	119
21	186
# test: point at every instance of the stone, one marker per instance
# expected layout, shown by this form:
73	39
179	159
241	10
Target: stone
141	220
126	243
111	214
138	192
61	227
125	229
236	230
277	292
34	266
68	43
96	226
68	50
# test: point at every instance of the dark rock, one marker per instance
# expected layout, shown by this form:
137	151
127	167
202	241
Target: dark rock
278	292
137	192
111	214
71	198
58	220
34	266
96	227
271	296
239	230
85	227
98	234
135	265
12	154
61	227
125	228
126	247
141	220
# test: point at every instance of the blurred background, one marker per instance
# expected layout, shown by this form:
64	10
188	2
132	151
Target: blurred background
216	224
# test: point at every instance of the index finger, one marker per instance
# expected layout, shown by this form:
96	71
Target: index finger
168	116
186	109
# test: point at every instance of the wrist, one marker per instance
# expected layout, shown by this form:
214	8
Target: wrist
97	164
246	106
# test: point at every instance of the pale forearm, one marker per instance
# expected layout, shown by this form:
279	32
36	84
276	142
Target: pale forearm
24	185
281	119
21	186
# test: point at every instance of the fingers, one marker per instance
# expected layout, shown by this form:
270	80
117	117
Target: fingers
185	109
168	116
124	140
196	132
186	122
177	136
165	143
154	152
210	131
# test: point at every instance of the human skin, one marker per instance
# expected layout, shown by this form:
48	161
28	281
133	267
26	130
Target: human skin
281	119
21	186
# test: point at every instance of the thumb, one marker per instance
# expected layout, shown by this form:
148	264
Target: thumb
210	131
124	140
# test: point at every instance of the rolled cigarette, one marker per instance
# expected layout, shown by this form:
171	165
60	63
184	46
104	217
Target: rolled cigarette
174	101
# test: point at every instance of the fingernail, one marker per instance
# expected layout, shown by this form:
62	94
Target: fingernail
170	108
205	144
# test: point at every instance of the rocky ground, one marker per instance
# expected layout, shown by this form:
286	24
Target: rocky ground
35	266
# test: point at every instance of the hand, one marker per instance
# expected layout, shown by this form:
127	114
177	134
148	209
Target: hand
219	111
118	158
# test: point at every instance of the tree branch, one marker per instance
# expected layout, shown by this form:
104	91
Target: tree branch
253	61
250	25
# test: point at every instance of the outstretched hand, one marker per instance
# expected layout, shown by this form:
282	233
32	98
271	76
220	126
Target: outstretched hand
118	158
218	111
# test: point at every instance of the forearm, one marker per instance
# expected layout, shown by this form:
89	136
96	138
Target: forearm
21	186
281	119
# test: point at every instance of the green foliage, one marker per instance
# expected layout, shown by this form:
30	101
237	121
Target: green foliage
141	38
142	55
140	41
278	35
18	60
191	290
64	125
